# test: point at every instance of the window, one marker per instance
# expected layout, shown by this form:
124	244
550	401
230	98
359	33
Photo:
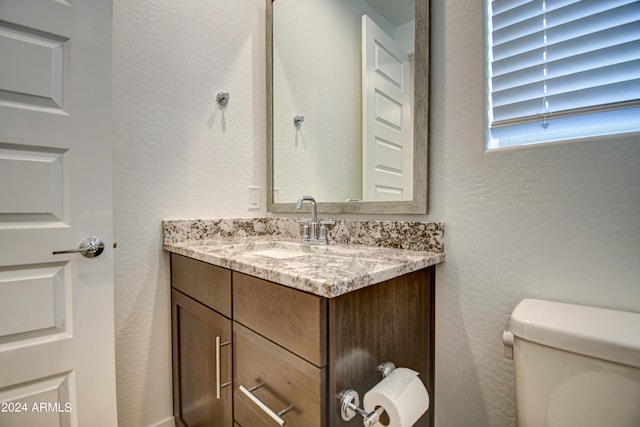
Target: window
562	69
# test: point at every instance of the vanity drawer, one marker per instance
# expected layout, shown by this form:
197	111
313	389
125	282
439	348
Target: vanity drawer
206	283
287	381
294	319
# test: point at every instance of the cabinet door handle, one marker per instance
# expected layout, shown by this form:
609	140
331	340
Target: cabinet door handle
275	416
219	386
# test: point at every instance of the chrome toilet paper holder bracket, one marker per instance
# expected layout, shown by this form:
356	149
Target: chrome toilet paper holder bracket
350	401
350	406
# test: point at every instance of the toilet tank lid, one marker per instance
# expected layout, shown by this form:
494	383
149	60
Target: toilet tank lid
597	332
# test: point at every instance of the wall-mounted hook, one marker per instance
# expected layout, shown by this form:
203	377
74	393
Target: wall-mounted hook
223	99
297	120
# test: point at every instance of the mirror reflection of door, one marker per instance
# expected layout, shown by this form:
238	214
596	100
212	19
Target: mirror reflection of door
387	131
317	73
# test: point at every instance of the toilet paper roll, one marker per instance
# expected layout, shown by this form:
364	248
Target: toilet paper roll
402	395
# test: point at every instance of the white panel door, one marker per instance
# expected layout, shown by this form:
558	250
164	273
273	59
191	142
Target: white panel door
387	125
57	363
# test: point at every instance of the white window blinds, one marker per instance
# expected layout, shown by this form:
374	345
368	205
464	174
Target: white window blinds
563	69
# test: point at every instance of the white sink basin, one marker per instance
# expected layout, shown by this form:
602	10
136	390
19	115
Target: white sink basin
278	253
273	249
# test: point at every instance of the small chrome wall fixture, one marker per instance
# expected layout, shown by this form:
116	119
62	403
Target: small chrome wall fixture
297	120
350	401
223	99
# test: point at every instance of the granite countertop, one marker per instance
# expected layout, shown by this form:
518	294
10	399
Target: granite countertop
270	254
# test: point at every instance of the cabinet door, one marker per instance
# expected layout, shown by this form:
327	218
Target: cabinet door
201	364
284	379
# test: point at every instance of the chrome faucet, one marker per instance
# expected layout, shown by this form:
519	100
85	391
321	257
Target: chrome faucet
312	234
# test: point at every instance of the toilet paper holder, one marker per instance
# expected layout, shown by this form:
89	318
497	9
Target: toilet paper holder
350	401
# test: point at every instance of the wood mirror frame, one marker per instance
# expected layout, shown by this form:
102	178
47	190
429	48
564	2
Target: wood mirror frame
419	203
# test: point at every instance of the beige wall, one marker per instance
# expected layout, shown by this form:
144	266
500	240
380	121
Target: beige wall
559	222
176	156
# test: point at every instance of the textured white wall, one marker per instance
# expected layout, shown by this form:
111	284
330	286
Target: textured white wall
560	222
176	156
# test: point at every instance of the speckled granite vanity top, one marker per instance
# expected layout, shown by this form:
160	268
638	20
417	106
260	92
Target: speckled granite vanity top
361	253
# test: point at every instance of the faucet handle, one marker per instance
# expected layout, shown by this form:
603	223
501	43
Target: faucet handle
324	223
305	228
323	230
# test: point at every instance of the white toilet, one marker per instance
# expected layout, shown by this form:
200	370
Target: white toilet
574	365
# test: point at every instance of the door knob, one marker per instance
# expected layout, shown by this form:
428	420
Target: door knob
90	247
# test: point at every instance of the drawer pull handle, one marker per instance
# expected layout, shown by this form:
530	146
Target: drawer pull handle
219	386
276	416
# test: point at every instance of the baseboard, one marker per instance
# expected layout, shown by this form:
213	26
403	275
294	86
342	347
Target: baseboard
169	422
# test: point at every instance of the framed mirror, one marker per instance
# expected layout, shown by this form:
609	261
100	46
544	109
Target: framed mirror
347	105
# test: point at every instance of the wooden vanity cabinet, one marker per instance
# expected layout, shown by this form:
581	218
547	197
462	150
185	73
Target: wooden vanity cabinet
343	338
303	349
391	321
